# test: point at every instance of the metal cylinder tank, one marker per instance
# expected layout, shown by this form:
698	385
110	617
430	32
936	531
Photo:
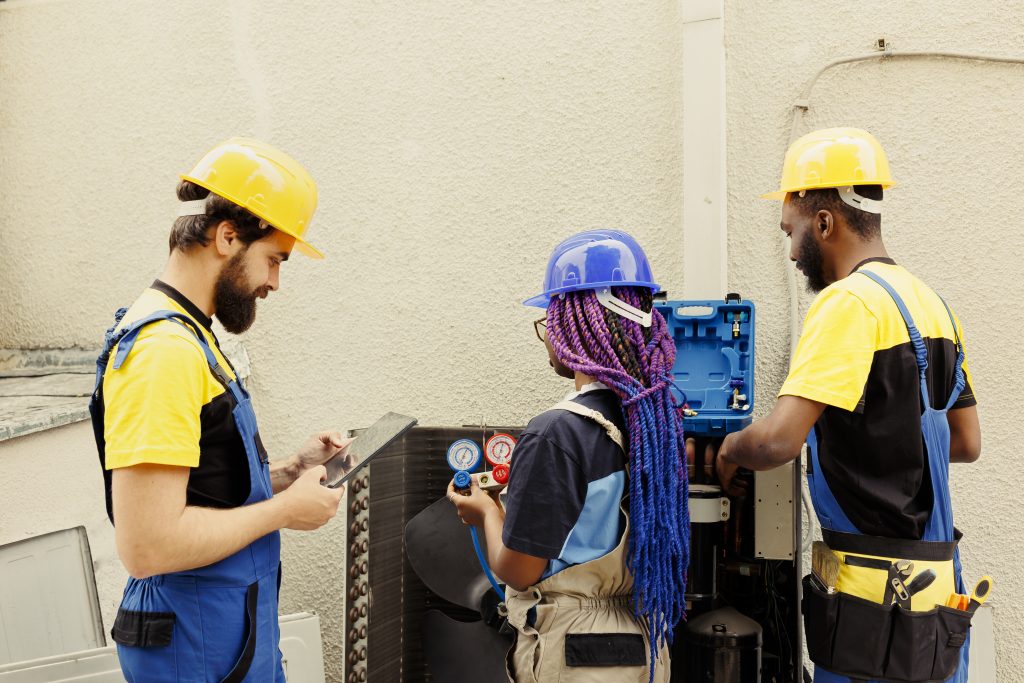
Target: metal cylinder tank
722	646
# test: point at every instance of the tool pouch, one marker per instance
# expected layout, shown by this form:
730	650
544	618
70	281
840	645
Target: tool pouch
854	637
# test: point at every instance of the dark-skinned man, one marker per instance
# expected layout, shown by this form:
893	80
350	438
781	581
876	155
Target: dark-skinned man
880	391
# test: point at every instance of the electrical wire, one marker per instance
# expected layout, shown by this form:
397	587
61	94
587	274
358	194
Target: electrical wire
802	104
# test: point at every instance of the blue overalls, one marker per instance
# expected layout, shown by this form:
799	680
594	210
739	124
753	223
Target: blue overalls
935	429
213	623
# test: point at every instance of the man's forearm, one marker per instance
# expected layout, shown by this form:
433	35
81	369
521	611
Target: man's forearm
757	448
283	473
776	439
198	537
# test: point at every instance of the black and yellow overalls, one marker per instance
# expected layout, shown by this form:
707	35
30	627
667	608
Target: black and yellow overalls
858	634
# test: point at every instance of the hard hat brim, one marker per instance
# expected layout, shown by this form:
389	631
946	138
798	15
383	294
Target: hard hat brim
307	249
779	195
542	300
539	301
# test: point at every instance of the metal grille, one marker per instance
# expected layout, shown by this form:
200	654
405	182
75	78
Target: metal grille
385	601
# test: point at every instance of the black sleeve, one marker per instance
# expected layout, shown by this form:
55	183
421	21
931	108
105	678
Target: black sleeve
546	492
966	398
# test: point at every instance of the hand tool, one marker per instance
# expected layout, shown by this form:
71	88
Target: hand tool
825	566
981	592
920	582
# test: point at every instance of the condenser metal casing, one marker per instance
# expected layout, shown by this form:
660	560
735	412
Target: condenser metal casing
385	602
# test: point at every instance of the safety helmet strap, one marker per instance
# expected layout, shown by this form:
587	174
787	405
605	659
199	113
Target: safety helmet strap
851	198
616	305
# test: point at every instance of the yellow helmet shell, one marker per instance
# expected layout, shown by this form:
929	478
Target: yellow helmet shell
263	180
833	157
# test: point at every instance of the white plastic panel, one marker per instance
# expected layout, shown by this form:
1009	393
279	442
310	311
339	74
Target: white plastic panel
983	646
302	649
775	515
92	666
48	602
300	646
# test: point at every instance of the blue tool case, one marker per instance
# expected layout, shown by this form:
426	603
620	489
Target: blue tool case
714	369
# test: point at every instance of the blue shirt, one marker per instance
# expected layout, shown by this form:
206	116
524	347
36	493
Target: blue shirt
566	484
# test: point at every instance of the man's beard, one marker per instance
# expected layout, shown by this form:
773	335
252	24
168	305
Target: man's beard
811	263
234	303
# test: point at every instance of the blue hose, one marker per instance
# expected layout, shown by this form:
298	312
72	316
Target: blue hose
484	565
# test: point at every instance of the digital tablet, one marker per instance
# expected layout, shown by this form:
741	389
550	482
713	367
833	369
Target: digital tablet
367	445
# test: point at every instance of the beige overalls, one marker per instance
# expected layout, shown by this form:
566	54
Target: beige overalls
584	628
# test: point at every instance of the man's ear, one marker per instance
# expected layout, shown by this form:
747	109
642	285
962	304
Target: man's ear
225	238
824	223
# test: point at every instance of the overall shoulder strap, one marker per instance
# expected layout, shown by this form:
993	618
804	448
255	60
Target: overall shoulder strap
960	380
110	340
130	334
597	416
920	350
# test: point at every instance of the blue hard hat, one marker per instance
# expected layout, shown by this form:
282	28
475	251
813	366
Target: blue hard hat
592	260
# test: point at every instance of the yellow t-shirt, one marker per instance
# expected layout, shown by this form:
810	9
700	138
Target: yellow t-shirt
855	356
164	405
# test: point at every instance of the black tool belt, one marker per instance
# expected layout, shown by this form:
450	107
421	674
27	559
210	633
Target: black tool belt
935	551
862	639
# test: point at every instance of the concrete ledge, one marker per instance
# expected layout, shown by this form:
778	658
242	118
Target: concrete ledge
44	388
47	388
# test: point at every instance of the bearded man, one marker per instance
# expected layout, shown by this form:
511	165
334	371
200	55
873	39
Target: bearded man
197	502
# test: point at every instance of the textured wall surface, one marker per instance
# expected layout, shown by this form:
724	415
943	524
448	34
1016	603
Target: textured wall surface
454	144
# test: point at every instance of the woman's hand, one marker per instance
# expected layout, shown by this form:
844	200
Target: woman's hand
475	507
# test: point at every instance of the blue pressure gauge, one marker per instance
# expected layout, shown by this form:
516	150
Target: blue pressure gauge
463	455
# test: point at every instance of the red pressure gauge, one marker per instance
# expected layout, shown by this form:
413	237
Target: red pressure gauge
498	449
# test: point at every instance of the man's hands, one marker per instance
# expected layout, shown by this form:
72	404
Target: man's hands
317	450
320	448
717	465
474	508
308	503
726	471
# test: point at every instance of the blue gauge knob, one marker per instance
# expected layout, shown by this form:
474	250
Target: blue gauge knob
462	479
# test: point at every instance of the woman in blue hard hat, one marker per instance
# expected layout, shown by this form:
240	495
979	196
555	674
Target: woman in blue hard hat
594	539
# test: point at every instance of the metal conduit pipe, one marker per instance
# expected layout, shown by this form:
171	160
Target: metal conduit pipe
800	108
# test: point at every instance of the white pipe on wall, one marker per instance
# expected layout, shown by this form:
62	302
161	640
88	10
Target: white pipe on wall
705	257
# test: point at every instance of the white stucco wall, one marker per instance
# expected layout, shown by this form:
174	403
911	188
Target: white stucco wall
454	144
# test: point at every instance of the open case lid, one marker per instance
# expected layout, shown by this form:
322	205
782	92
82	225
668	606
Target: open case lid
714	368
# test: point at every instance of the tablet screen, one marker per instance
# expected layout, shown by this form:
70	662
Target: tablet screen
367	445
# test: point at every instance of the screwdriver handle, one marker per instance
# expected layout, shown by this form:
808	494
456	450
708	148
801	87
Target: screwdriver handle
921	581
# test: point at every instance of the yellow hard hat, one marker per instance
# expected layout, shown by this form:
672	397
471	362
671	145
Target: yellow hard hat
833	157
263	180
